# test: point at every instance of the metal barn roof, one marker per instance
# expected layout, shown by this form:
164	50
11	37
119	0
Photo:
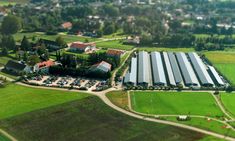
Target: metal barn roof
143	68
158	70
187	70
169	70
133	73
216	76
131	77
200	69
175	68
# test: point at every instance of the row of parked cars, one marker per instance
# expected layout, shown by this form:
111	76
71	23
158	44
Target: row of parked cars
67	81
50	80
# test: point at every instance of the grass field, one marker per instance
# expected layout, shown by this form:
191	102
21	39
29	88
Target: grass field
224	62
208	35
118	98
228	101
16	99
209	125
67	38
3	138
183	103
11	2
4	60
89	119
117	44
166	49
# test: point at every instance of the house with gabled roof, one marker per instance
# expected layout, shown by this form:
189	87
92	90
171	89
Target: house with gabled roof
17	67
43	67
82	47
101	67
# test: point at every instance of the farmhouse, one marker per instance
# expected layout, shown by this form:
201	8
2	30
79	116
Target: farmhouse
50	45
17	68
82	47
101	67
133	40
66	25
115	53
43	67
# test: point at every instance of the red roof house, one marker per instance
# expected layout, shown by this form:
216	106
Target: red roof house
83	47
115	53
67	25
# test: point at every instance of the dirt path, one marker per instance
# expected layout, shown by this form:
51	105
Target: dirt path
4	133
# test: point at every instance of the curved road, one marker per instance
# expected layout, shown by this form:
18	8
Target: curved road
103	97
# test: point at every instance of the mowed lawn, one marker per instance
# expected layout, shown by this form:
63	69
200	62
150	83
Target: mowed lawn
182	103
224	62
16	99
116	44
90	119
228	100
68	38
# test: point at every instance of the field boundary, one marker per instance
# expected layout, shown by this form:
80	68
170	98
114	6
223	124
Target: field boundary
4	133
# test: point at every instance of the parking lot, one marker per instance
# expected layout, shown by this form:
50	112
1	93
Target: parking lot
69	82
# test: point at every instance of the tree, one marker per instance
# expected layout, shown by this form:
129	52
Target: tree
11	24
4	51
59	40
25	45
9	42
33	60
109	29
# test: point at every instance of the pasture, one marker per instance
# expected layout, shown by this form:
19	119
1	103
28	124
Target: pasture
89	119
116	44
207	124
175	103
16	99
228	101
224	62
37	35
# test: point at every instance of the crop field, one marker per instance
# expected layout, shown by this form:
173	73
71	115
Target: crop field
68	38
89	119
116	44
183	103
16	99
224	62
228	101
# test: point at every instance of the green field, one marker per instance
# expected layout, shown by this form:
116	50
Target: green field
3	138
182	103
117	44
118	98
16	99
11	2
208	35
4	60
228	101
89	119
206	124
190	49
224	62
67	38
